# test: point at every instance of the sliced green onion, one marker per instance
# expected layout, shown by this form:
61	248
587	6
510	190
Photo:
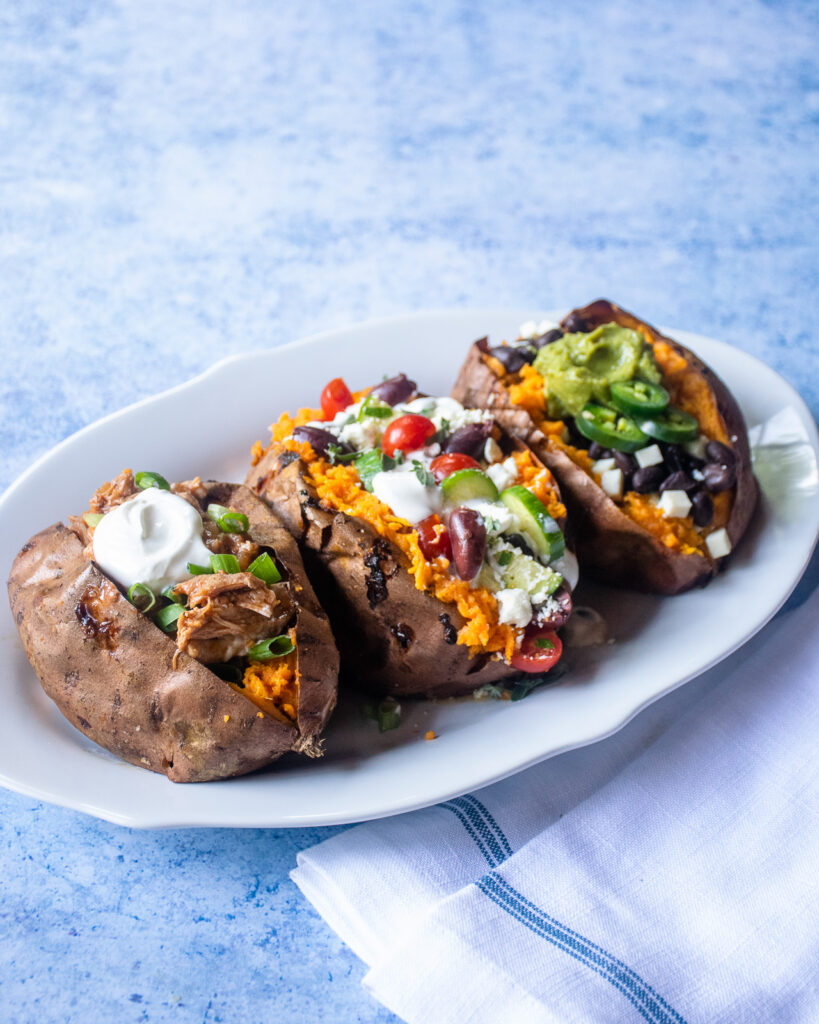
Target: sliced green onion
198	570
381	411
227	520
273	647
265	568
146	480
92	518
166	618
225	563
141	597
389	714
169	593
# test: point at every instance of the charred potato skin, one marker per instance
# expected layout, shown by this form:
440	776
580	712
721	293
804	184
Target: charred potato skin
394	639
114	677
610	545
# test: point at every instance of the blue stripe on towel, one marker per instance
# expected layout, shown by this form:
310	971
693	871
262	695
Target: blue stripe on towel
481	826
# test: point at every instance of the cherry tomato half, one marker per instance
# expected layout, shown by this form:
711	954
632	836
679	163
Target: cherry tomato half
540	649
433	538
450	462
335	398
407	434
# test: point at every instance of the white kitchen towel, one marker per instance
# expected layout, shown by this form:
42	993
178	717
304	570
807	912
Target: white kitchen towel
685	888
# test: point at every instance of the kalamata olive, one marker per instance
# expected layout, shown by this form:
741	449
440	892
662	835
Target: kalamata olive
469	440
719	478
468	536
678	481
702	508
575	324
395	390
648	479
542	340
716	451
559	617
597	451
320	440
512	356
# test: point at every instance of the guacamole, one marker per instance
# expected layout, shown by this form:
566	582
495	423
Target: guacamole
578	368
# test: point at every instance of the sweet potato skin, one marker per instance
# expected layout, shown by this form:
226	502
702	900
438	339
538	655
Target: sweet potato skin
394	639
610	545
116	681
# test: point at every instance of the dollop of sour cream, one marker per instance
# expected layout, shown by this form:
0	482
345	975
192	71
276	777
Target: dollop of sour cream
150	539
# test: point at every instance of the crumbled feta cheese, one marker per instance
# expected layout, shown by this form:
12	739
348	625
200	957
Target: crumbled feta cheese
361	436
674	504
697	448
650	456
549	608
546	325
503	474
603	466
492	450
514	606
439	409
718	543
612	483
496	516
528	330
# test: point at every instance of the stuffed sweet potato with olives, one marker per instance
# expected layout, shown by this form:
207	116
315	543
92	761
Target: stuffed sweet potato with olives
647	443
177	628
435	540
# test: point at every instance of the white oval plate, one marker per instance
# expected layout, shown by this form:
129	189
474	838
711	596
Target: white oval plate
207	426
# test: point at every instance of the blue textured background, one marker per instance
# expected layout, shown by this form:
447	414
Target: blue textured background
180	181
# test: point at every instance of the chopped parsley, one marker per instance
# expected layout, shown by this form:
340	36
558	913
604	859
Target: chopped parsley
424	476
504	557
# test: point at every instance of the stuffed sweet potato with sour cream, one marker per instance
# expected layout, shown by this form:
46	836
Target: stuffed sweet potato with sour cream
176	627
435	539
647	443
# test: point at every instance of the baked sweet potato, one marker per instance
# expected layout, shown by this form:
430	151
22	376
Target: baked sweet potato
625	542
121	681
395	635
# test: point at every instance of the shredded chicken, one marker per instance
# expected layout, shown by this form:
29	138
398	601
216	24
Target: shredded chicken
120	489
238	544
193	491
228	612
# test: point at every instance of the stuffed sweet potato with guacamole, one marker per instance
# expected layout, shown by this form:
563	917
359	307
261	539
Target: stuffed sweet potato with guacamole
435	540
647	443
175	626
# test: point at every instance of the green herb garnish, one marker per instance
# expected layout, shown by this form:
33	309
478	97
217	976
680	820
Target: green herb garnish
225	563
504	557
273	647
167	617
424	476
141	597
265	568
146	480
227	520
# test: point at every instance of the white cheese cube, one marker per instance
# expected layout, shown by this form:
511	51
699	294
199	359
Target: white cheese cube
650	456
612	483
503	474
697	448
603	466
718	543
674	504
492	450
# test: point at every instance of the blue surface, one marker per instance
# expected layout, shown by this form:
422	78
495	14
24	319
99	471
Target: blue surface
183	181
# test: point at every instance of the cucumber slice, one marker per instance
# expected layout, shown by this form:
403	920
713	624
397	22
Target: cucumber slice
466	484
527	574
537	526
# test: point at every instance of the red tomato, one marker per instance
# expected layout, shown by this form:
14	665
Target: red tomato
407	434
540	649
335	398
443	465
434	538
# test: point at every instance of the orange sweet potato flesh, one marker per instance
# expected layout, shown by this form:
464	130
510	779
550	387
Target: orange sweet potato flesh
611	545
114	675
394	639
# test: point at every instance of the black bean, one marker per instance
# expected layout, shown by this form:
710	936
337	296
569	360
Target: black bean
692	462
716	451
320	440
469	440
674	456
702	508
512	356
575	324
597	451
627	463
395	390
678	481
719	478
468	536
647	479
542	340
